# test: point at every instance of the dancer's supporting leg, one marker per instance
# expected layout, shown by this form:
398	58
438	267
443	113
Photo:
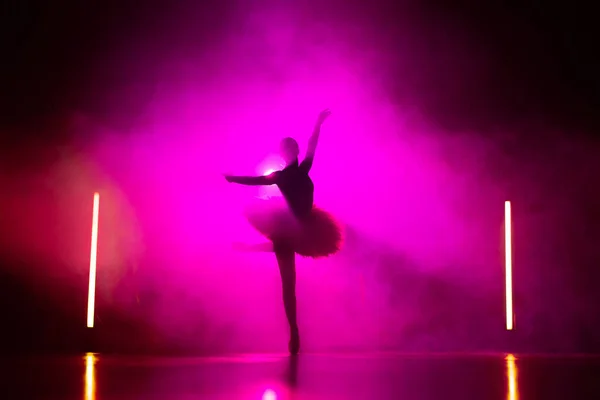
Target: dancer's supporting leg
286	259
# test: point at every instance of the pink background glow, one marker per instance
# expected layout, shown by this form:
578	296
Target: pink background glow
163	196
406	188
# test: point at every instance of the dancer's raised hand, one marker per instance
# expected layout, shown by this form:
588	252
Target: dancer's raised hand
323	115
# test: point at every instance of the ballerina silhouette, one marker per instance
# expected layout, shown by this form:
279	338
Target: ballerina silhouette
294	225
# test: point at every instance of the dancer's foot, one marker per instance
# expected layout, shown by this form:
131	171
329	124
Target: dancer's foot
294	344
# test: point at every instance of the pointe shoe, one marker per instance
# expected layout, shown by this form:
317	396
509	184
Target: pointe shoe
294	343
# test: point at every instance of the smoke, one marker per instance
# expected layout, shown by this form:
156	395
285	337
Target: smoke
421	198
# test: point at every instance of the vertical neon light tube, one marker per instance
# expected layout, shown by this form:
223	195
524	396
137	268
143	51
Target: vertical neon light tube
93	255
508	265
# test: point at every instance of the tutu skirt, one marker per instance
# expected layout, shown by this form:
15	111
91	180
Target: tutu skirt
316	235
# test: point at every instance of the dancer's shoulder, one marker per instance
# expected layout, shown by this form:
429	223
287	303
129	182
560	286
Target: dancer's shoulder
274	176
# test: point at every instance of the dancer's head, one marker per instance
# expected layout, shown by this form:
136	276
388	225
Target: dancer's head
289	150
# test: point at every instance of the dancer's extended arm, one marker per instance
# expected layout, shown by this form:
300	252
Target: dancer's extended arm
313	141
253	180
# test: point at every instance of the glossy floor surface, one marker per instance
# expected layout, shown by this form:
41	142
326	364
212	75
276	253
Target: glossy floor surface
308	376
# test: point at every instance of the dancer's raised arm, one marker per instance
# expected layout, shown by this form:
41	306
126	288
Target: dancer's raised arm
313	141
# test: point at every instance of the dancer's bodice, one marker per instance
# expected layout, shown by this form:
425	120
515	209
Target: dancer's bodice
297	188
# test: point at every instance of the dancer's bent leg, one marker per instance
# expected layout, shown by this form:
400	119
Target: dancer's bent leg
266	247
286	259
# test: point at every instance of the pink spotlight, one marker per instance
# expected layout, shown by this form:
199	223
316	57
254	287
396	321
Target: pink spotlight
93	255
269	395
268	191
508	266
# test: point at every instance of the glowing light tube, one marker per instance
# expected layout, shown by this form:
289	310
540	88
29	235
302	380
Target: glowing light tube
93	255
508	265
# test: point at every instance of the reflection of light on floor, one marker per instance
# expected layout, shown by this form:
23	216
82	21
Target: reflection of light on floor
508	265
90	377
269	395
512	376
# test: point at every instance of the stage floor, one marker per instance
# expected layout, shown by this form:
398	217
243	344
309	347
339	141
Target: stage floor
372	376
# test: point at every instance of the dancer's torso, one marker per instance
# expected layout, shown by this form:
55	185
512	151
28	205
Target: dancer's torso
297	188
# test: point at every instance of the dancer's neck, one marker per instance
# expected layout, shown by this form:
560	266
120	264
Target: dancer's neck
292	164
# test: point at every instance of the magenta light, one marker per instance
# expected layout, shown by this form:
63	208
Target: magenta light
269	395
